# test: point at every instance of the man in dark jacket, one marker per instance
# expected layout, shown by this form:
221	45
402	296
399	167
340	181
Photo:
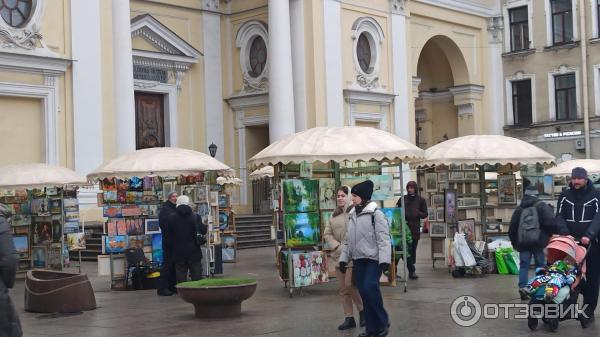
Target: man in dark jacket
415	209
167	273
578	210
527	251
10	325
184	224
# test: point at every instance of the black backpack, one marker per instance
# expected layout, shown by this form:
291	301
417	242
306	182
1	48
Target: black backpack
530	230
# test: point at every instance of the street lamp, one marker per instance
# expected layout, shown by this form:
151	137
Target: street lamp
212	148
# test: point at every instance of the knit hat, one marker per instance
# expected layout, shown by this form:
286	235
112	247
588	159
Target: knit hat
531	190
579	172
364	190
183	200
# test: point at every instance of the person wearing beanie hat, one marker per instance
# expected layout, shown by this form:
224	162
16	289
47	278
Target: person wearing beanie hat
368	246
184	227
547	226
166	283
577	210
415	209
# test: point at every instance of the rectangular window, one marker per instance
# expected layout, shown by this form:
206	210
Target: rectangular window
519	28
562	21
565	95
521	101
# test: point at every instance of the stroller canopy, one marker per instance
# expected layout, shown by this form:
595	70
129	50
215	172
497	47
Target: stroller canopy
561	246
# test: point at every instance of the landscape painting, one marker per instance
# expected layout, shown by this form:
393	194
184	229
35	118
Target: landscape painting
302	229
300	195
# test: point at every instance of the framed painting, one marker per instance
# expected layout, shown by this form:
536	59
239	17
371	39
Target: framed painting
454	167
394	218
306	169
439	213
382	187
437	199
471	175
302	229
22	245
76	241
467	227
507	189
548	187
151	226
157	251
325	216
201	194
469	167
203	208
431	214
437	230
134	226
319	268
115	244
168	187
302	269
229	247
300	195
431	182
327	194
223	220
456	176
450	206
112	211
442	176
39	256
223	201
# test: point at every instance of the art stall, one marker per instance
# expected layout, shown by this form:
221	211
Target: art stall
45	221
472	185
308	168
134	187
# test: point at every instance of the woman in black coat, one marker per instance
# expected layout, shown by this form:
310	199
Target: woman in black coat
182	229
10	325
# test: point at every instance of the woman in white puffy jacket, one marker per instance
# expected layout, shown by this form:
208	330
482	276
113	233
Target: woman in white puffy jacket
368	246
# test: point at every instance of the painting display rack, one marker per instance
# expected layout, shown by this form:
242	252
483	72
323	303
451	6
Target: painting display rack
303	199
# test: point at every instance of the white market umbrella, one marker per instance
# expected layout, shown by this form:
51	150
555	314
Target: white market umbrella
164	161
264	172
485	149
37	176
564	169
337	144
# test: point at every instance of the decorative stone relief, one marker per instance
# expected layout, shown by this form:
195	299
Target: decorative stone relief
245	36
397	6
495	29
27	36
374	35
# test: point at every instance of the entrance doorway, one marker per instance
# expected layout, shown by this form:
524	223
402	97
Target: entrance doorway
257	138
149	120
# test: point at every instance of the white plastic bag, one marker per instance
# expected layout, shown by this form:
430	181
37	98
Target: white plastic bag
462	249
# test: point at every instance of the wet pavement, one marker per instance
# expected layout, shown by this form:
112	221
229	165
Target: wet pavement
424	310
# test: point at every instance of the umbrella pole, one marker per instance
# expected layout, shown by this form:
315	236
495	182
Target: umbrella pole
402	223
482	198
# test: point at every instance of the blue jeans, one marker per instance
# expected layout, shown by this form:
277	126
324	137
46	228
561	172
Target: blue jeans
525	257
366	275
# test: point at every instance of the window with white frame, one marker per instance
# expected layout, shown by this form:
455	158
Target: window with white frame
519	28
565	96
522	102
562	21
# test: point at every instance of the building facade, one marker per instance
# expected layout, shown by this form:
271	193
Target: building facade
84	81
551	63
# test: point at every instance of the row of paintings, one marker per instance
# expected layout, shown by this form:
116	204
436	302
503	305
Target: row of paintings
132	226
151	244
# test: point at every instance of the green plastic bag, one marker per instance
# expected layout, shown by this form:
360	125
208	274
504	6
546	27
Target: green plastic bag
500	262
510	257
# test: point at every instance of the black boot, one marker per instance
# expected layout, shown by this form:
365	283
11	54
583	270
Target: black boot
413	276
349	323
361	319
164	292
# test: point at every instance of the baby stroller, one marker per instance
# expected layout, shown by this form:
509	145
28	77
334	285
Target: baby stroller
560	248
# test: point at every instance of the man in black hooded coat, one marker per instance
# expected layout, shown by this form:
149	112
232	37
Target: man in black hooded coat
10	325
415	209
578	209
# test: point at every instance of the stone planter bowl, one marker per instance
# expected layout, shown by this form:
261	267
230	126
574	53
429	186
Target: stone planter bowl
49	291
217	301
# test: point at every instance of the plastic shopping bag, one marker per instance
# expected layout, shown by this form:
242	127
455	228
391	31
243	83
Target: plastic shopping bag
511	258
500	263
462	248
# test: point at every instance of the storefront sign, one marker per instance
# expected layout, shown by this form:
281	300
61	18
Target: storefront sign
562	134
150	74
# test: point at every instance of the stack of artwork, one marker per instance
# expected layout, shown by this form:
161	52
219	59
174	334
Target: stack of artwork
309	268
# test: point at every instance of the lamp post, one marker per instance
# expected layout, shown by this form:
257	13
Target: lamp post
212	148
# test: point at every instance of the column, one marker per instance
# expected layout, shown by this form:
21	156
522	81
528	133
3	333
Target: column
496	84
213	92
298	62
123	77
87	89
400	51
468	99
281	91
334	95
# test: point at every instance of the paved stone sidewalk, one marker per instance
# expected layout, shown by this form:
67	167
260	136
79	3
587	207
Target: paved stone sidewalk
422	311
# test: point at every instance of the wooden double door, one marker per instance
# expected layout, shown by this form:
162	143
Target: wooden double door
149	120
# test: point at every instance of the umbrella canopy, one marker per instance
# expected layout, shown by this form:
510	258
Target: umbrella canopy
485	149
338	144
37	176
264	172
165	161
565	168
